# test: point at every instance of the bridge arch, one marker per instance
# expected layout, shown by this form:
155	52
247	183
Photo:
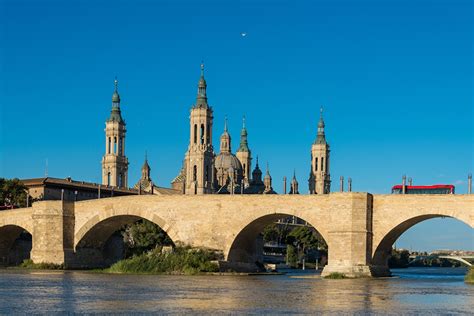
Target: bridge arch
383	248
91	238
244	246
8	235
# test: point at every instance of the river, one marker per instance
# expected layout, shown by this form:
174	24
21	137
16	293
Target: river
412	291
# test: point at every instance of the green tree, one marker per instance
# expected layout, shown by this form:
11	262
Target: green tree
304	239
12	192
144	236
271	233
276	232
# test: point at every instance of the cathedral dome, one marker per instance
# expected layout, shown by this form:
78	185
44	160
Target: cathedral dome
228	169
226	161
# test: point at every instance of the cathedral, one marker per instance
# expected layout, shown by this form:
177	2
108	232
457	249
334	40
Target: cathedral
205	171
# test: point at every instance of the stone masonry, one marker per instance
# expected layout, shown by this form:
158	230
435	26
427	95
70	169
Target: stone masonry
359	228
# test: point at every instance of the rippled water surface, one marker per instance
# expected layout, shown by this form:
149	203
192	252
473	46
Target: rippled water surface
415	290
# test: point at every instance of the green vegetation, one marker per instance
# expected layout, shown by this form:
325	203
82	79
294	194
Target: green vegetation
300	241
470	275
143	236
399	258
181	260
12	193
336	276
29	264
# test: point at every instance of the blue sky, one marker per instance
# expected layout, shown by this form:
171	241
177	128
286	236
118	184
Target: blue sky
395	79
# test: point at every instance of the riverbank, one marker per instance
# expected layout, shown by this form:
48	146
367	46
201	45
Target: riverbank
470	276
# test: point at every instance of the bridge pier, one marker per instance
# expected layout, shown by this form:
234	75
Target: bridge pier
53	232
350	239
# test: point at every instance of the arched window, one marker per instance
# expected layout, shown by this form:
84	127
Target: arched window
201	136
195	173
322	163
120	182
316	164
110	145
120	146
208	135
195	133
115	145
108	178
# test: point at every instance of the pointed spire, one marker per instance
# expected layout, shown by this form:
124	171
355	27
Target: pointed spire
244	146
201	100
321	138
115	95
225	139
146	168
257	174
267	180
115	114
294	184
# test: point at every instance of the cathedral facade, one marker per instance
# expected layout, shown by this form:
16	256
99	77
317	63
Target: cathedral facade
205	171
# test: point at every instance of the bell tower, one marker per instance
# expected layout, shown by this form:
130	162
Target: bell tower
114	162
319	179
200	154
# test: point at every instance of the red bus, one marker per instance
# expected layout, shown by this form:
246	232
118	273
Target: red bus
424	189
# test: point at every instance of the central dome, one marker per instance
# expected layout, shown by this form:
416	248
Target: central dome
228	167
227	160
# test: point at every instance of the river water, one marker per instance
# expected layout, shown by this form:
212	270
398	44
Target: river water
412	291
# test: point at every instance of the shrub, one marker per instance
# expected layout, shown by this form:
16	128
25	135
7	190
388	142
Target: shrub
336	276
182	260
29	264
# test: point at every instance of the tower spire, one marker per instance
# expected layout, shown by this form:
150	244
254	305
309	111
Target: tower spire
321	137
115	95
201	100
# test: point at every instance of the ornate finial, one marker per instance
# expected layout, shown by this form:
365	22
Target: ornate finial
146	155
243	121
116	84
268	169
225	124
257	162
202	68
294	173
321	111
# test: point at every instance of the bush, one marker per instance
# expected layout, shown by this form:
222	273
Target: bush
29	264
182	260
336	276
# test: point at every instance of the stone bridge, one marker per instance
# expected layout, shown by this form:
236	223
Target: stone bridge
359	228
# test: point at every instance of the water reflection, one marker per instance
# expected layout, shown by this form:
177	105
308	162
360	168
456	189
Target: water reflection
80	292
